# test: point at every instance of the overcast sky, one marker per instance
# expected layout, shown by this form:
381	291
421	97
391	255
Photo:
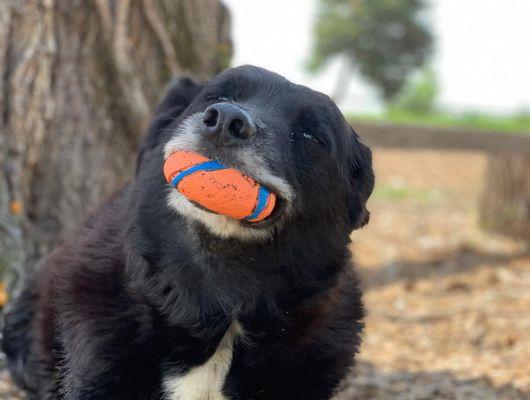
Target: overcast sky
482	50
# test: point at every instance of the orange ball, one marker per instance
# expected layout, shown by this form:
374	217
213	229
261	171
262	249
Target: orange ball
218	188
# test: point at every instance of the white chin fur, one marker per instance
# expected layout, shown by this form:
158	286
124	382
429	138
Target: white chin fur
220	225
187	139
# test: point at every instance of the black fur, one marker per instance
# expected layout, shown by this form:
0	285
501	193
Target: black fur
141	290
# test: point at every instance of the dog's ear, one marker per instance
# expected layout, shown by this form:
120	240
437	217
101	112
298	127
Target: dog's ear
179	95
361	181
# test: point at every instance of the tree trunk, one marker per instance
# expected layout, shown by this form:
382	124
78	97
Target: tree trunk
78	82
505	202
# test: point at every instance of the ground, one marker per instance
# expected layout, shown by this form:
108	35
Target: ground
448	304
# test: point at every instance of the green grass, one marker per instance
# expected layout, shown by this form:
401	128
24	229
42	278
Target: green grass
389	192
518	123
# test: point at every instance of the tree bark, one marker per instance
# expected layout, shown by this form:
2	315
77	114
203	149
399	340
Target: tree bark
505	201
78	82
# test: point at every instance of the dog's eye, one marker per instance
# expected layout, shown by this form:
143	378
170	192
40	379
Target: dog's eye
295	136
222	99
313	138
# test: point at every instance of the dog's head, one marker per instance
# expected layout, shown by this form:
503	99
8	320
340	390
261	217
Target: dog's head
292	140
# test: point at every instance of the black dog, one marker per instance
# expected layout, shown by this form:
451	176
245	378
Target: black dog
157	298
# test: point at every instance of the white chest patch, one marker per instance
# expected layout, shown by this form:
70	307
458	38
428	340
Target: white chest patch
206	381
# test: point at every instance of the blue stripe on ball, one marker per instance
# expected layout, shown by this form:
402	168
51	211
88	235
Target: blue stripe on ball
263	195
205	166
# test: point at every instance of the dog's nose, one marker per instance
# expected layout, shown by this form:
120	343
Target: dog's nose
228	120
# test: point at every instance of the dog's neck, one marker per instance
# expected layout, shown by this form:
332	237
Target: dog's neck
298	242
237	277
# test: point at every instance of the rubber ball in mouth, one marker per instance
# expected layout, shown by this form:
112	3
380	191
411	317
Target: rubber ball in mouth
217	188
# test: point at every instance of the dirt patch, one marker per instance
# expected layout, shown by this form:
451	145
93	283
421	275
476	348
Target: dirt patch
373	383
8	391
448	305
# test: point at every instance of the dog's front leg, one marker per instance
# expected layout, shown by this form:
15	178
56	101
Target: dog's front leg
108	351
110	370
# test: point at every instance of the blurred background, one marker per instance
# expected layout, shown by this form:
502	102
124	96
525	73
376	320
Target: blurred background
439	89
